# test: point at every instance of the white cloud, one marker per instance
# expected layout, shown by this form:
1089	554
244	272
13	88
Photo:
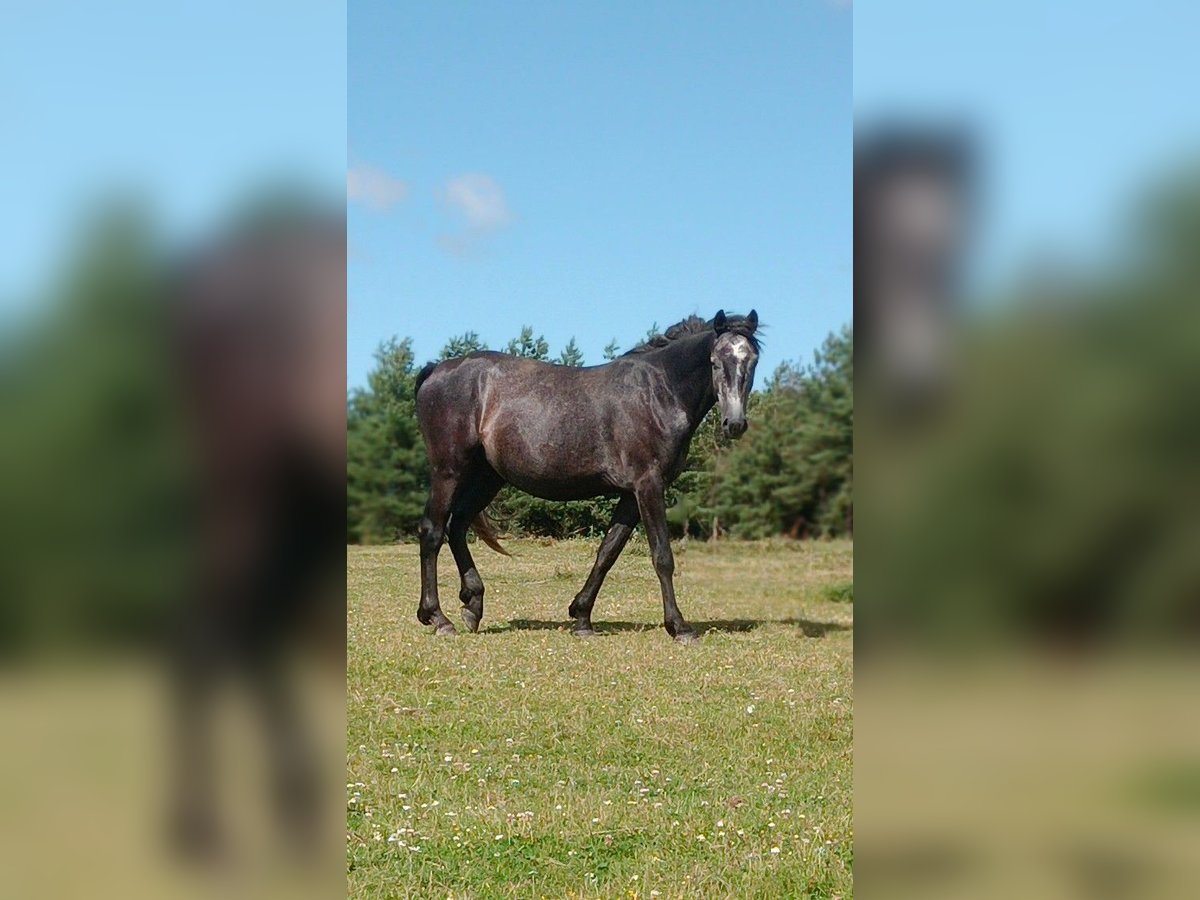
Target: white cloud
374	188
458	244
480	200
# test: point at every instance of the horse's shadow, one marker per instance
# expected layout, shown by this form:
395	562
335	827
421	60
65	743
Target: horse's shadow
809	627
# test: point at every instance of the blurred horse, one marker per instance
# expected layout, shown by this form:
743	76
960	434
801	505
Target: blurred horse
259	325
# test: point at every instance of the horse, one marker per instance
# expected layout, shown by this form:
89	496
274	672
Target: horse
568	433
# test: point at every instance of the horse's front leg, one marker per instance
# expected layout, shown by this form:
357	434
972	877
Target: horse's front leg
653	507
624	520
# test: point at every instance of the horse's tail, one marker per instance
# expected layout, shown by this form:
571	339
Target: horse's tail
426	371
487	533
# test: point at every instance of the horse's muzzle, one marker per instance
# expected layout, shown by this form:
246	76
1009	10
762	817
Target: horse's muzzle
735	428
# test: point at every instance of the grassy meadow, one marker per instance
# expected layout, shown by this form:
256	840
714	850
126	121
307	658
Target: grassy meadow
525	762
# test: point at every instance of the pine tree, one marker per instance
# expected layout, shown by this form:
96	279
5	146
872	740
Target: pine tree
610	350
461	345
386	469
529	347
571	355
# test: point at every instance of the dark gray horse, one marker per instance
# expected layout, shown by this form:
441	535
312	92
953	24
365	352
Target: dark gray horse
565	433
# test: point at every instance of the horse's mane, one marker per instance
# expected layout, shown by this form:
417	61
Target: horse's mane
696	325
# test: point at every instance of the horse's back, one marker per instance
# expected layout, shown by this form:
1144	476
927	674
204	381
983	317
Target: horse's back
541	426
487	388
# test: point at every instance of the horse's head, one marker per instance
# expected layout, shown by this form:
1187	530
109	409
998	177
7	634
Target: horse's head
734	356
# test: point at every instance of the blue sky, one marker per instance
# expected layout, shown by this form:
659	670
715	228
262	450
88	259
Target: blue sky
589	168
190	106
593	168
1075	106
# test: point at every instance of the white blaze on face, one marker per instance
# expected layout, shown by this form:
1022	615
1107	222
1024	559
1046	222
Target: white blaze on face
741	349
734	358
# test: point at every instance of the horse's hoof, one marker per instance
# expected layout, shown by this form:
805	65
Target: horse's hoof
470	620
687	637
583	632
446	629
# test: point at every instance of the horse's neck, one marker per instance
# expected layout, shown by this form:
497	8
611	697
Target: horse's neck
688	364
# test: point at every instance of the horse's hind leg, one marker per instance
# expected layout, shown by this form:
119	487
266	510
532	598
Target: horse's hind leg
625	518
432	531
477	492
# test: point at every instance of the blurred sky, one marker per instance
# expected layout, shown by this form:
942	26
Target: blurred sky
192	106
1075	107
593	168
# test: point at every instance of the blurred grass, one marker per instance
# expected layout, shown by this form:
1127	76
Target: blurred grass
523	762
1090	784
86	775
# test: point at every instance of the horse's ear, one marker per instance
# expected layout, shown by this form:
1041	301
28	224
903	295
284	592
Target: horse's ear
719	320
752	319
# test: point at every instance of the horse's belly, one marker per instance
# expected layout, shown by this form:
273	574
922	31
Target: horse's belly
550	487
547	455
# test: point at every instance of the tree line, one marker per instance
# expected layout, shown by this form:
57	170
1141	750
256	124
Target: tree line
791	474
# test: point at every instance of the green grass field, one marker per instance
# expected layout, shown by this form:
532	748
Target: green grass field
525	762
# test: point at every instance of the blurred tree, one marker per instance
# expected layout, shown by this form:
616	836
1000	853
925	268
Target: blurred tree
529	347
610	350
1055	497
571	355
461	345
95	474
